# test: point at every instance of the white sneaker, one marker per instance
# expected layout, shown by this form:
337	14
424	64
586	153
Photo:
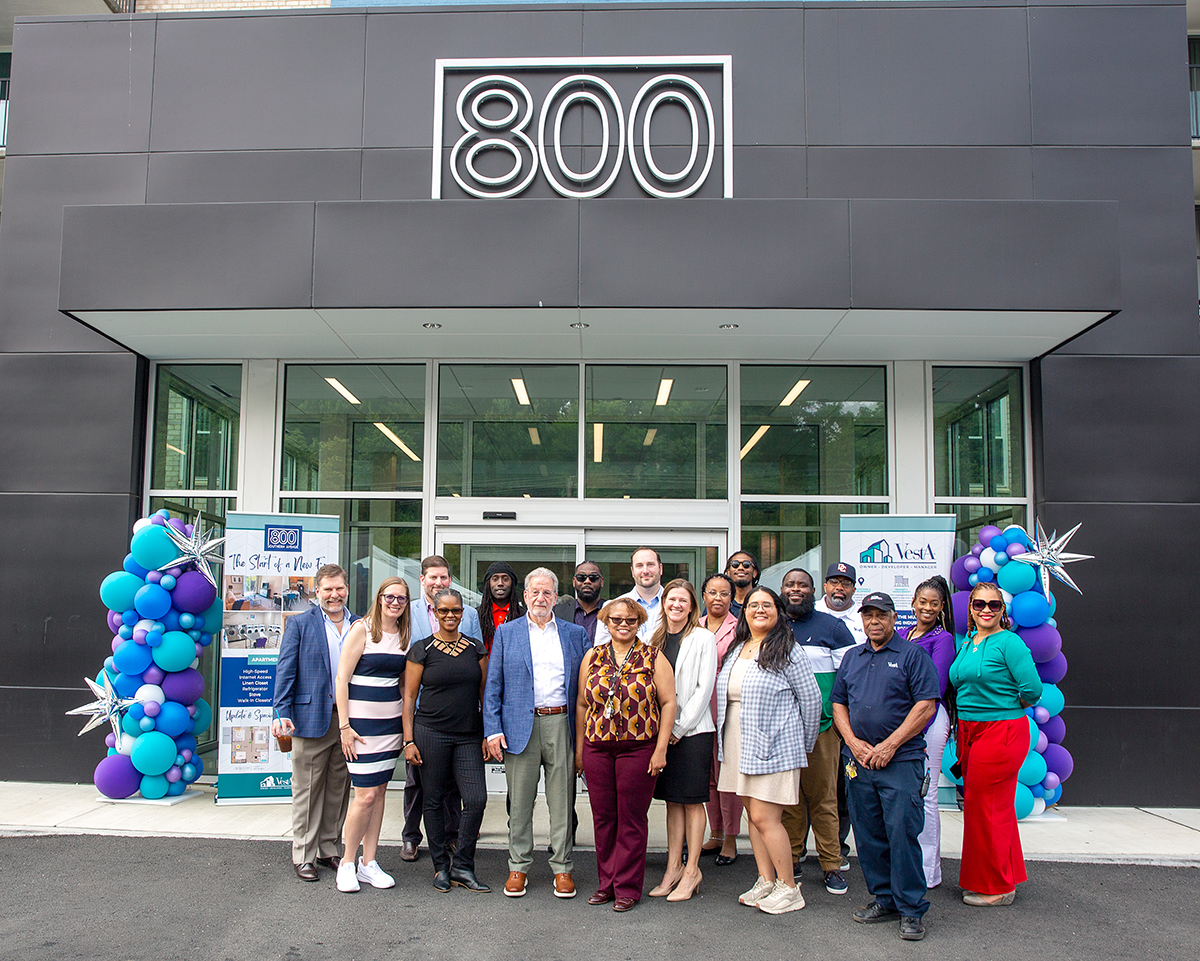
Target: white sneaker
346	881
374	875
782	899
762	887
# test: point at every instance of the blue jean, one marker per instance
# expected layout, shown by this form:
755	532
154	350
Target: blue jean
888	814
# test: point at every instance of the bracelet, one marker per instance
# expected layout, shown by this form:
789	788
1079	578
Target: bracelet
404	746
344	727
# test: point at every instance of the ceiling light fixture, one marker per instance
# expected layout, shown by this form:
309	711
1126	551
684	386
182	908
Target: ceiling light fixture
432	326
580	325
758	435
597	443
527	497
650	437
518	385
664	392
534	437
727	327
390	435
337	385
792	394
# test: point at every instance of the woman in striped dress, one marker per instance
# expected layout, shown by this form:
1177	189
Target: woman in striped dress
370	700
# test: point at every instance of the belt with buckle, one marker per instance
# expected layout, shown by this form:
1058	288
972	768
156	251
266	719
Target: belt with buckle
547	711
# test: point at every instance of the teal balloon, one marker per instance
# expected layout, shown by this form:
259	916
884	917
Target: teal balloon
1033	769
118	590
154	786
1052	699
203	716
1024	801
153	752
213	616
1033	732
131	725
176	652
1016	578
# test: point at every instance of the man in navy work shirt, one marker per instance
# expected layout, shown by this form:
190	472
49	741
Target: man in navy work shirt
885	693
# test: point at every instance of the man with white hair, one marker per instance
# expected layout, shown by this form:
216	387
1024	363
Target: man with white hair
529	723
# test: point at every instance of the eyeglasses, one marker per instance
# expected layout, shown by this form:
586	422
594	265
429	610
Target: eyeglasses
449	611
994	606
540	593
617	621
717	594
590	578
749	565
394	599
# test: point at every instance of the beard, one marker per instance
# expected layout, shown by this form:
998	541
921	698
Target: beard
800	610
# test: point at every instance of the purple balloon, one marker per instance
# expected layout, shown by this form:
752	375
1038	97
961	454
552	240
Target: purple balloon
1042	743
976	550
1041	715
153	577
1044	642
191	708
174	571
986	535
153	674
1014	549
958	606
110	740
1053	670
193	593
158	520
959	573
114	621
186	755
1055	729
188	530
174	774
178	525
971	564
152	708
116	777
184	686
1059	761
1051	781
117	641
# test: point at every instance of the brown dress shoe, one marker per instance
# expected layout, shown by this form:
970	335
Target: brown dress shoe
624	904
564	887
408	851
514	887
306	871
600	897
333	861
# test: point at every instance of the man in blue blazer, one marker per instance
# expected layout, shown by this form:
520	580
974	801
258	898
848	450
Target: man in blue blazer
435	575
529	723
305	709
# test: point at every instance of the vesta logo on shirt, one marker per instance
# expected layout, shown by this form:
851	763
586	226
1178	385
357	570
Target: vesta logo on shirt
892	664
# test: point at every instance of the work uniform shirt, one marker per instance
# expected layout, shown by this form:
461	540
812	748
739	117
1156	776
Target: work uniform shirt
879	688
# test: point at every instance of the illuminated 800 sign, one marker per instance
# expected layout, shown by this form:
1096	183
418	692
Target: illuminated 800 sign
496	133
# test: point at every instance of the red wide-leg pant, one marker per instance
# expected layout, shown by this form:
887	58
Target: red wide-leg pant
991	753
620	789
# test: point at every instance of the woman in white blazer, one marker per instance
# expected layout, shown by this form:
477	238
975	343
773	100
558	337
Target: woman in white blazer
684	782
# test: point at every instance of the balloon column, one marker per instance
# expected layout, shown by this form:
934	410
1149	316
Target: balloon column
163	610
1021	568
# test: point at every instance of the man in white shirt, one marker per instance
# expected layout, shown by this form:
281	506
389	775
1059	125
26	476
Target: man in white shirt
646	567
838	599
529	724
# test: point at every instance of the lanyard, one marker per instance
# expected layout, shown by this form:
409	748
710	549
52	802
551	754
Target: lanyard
610	707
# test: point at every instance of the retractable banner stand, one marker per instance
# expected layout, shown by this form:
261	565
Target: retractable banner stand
270	565
894	553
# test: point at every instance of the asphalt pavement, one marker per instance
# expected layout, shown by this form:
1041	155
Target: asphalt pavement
111	897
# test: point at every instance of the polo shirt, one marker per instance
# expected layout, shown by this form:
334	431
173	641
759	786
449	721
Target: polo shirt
825	639
879	688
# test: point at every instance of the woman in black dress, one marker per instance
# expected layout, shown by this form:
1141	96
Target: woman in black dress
684	783
444	737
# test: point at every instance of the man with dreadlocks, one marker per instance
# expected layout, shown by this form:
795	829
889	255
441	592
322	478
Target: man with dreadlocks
500	603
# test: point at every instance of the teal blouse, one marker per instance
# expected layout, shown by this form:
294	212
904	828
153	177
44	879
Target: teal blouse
993	677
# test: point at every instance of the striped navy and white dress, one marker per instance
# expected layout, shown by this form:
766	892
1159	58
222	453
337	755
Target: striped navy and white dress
376	702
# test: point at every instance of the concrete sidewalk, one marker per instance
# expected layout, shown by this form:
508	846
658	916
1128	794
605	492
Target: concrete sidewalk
1166	836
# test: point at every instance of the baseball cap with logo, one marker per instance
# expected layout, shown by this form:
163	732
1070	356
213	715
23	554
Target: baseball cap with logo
879	601
841	569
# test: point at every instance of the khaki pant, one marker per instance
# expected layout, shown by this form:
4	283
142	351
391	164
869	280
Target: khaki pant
550	746
818	803
320	794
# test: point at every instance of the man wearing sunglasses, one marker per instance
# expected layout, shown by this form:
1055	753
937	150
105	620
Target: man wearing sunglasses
584	608
742	569
884	694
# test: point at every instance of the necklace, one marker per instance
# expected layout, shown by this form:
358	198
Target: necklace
452	648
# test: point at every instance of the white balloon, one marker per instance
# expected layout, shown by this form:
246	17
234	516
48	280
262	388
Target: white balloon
195	663
145	624
150	692
139	524
125	744
1007	597
1039	807
988	559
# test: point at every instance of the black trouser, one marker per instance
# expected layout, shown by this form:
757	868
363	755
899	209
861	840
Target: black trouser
451	760
414	807
843	808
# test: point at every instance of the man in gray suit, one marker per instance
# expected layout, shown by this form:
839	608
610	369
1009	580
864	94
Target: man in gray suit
435	575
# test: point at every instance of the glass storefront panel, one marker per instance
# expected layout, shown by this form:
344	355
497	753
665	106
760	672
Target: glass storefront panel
469	562
808	536
814	430
508	430
691	563
353	427
656	431
978	432
379	538
972	518
197	409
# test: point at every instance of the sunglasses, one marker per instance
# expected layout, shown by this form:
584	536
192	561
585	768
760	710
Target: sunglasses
622	620
394	599
981	605
590	578
448	611
749	565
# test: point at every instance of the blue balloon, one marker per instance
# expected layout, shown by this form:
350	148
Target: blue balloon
146	724
1052	622
132	658
1015	535
1023	801
198	761
174	719
125	632
187	621
133	567
1052	699
205	640
1053	604
1029	609
1052	797
185	743
152	601
154	786
136	711
972	580
167	582
170	621
985	575
1002	559
127	684
1037	790
176	789
198	621
189	773
999	543
154	638
194	635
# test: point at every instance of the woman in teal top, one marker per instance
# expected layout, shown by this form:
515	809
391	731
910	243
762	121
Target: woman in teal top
995	680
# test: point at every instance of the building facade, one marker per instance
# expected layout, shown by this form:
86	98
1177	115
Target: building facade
550	282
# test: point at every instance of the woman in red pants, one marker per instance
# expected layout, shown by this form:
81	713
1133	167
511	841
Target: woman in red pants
623	720
995	680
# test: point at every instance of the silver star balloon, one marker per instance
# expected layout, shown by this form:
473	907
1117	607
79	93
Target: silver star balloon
108	706
199	549
1049	556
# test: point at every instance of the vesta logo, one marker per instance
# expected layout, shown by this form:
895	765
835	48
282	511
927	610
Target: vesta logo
881	552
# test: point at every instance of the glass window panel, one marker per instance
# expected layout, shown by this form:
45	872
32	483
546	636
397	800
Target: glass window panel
808	536
212	512
378	538
508	430
197	409
353	427
814	430
978	432
656	432
469	562
691	563
972	518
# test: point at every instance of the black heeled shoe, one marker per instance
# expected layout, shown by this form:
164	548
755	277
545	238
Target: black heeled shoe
441	882
723	861
461	878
